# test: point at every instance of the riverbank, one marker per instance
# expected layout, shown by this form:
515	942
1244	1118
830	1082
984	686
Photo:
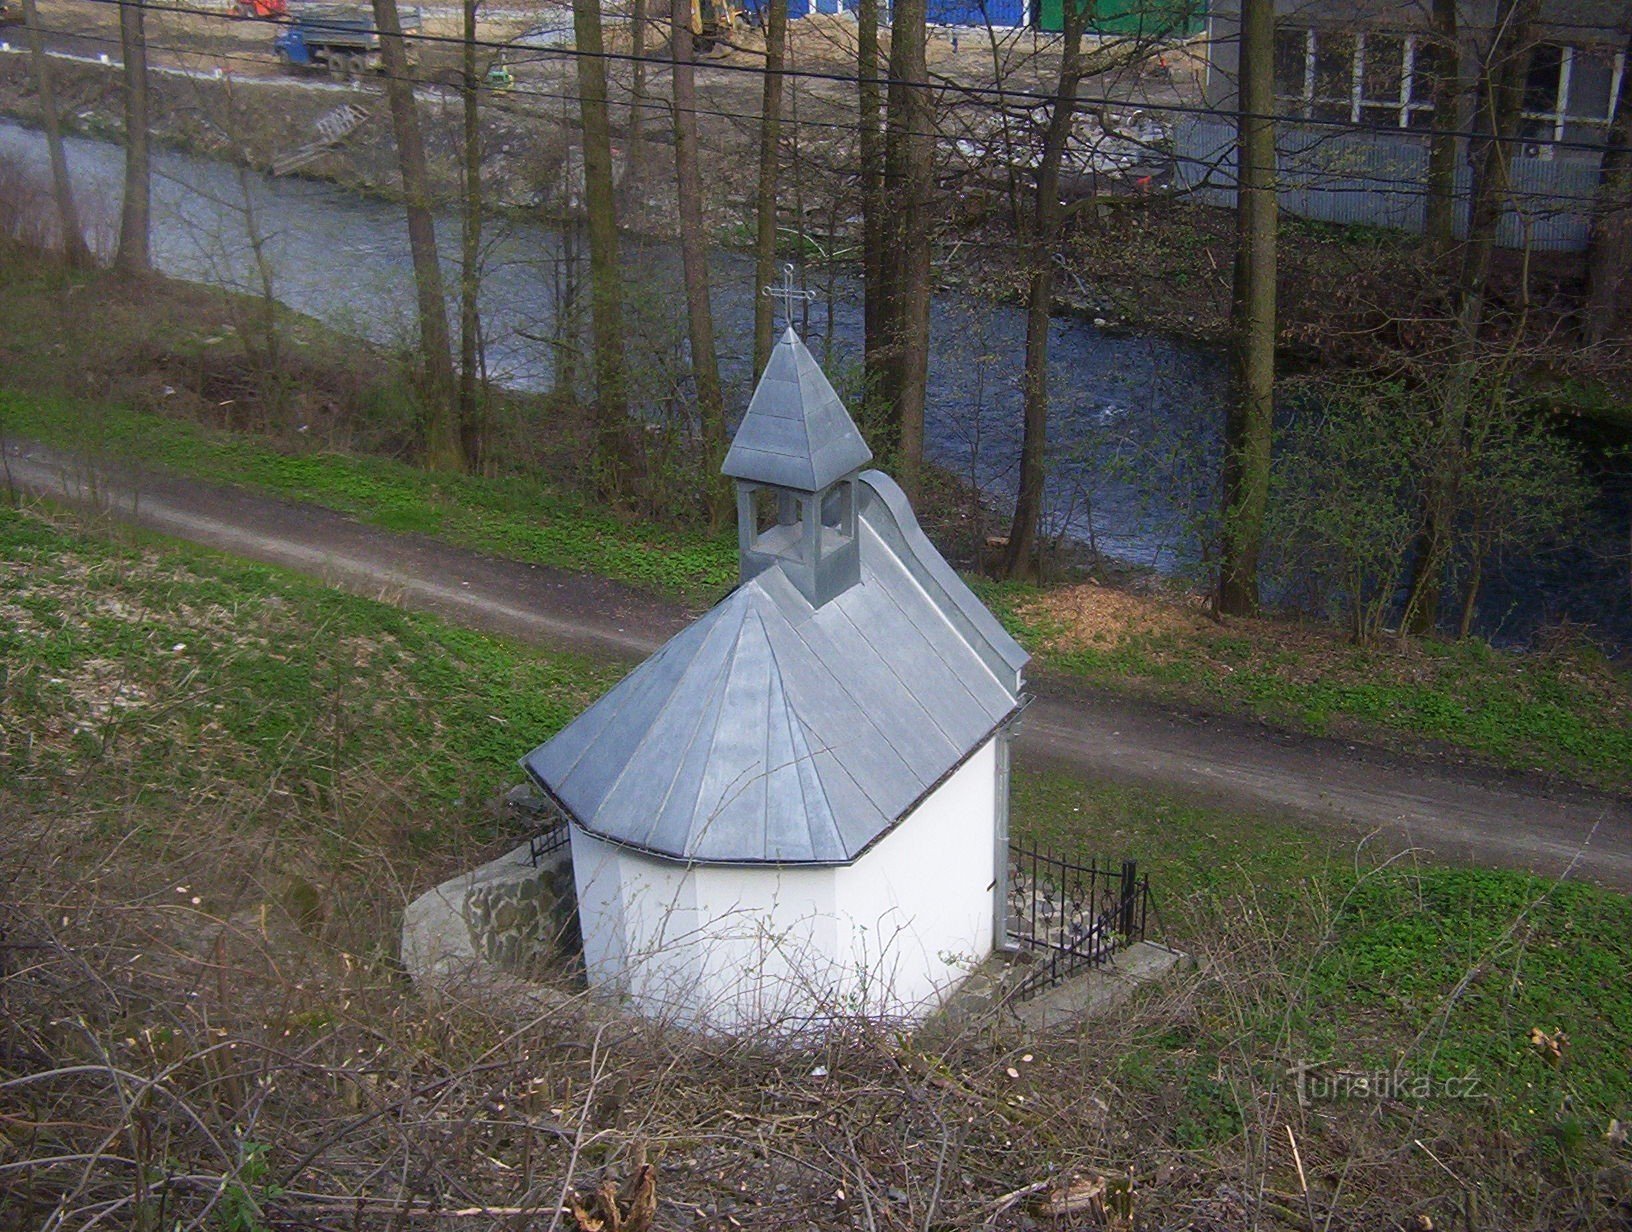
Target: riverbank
121	375
1133	258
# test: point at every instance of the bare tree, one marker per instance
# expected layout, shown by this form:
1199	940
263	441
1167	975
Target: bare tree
874	222
1439	221
1608	311
606	302
1501	92
442	446
635	154
694	256
471	428
135	216
1021	555
74	248
909	172
770	141
1252	311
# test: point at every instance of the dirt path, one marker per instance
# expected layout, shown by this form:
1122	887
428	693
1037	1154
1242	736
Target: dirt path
1461	813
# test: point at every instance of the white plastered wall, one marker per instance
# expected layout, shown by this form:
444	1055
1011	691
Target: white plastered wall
734	947
919	904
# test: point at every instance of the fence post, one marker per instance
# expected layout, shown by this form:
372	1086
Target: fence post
1130	882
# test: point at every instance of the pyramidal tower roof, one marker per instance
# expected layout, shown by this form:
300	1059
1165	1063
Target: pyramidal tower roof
796	433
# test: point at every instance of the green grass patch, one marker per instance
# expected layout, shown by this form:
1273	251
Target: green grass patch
1497	987
141	681
515	516
1336	957
1565	711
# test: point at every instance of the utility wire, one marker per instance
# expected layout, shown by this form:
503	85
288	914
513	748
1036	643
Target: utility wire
883	80
1342	181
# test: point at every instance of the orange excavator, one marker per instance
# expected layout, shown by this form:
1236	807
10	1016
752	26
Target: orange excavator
263	10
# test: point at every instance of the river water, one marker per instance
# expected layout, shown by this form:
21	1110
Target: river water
1135	419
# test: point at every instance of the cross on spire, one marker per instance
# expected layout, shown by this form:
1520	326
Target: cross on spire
788	293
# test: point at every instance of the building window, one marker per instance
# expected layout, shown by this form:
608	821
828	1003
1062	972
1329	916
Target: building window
1569	95
1378	78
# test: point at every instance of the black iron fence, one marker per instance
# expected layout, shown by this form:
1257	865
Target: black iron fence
1072	915
548	840
541	821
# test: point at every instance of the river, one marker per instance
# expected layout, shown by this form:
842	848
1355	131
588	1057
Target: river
1135	419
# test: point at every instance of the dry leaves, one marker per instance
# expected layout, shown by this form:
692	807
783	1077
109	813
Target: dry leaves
609	1209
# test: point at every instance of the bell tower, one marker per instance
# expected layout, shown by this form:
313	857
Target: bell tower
794	459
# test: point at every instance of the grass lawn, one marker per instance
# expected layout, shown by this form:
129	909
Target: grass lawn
222	782
90	366
141	678
1563	710
1424	994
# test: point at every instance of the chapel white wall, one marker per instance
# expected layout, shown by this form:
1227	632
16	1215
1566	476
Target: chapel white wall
919	903
733	947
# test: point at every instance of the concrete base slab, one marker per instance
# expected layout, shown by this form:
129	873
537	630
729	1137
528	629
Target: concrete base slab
1098	989
988	993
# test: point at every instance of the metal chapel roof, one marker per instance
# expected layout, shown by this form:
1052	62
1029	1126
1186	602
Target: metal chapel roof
776	731
796	432
770	731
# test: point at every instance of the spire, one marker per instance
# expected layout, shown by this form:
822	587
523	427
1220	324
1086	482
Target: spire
796	433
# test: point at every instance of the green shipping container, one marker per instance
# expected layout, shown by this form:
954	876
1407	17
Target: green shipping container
1132	18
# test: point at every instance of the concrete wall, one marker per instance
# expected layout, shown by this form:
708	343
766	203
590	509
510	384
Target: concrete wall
1379	179
734	947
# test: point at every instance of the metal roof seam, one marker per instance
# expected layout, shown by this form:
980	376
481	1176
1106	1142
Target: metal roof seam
653	730
772	675
703	713
883	735
906	685
806	770
744	779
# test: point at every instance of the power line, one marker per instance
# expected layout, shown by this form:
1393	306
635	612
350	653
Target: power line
999	92
1401	187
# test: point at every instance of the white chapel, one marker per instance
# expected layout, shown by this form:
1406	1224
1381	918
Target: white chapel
797	809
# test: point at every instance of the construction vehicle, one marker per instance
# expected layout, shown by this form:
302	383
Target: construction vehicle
261	10
340	38
712	20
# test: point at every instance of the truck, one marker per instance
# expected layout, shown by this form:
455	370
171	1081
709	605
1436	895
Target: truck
340	38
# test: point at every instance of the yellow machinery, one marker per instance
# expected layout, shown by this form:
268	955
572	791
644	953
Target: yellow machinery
714	19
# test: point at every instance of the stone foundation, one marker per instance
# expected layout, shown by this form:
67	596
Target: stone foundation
509	915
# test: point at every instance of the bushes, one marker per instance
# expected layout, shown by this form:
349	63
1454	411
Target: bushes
1348	492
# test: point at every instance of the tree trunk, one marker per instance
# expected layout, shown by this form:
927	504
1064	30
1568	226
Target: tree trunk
770	144
1502	76
74	249
909	170
1439	221
1470	596
1252	311
135	217
471	428
442	448
634	155
876	294
605	292
1608	311
1021	556
694	258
